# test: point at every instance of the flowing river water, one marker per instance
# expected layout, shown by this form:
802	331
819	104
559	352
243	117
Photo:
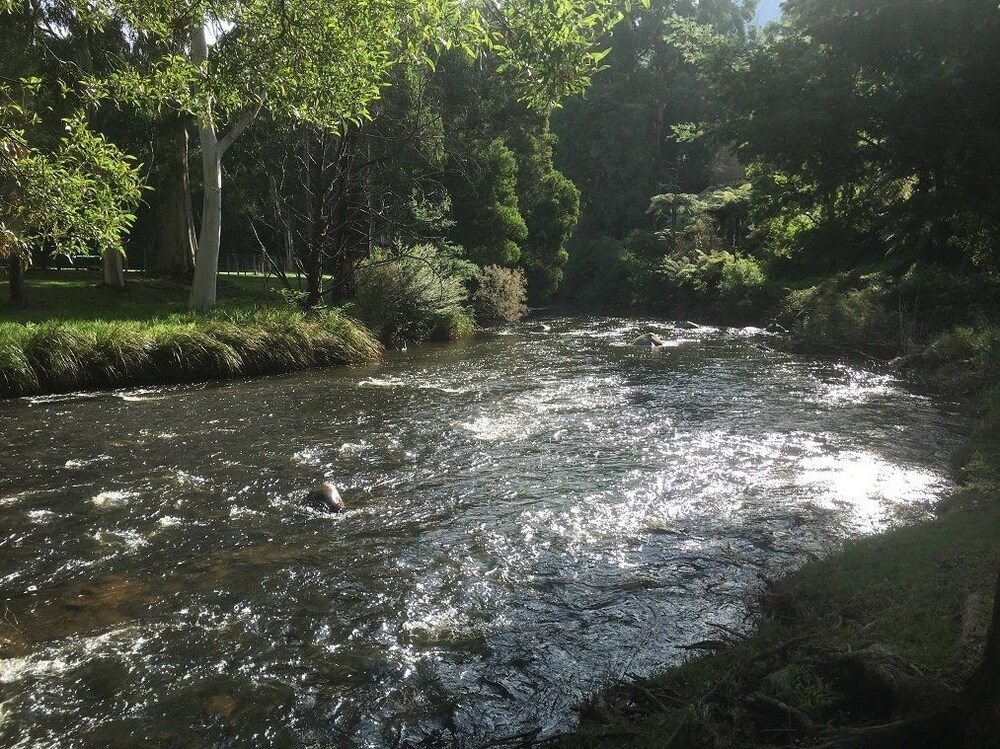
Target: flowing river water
531	516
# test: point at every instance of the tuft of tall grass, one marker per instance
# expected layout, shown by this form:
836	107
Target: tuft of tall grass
181	352
120	353
57	353
16	375
345	341
56	357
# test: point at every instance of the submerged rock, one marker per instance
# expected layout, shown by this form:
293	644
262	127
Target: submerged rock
649	340
686	325
540	328
324	498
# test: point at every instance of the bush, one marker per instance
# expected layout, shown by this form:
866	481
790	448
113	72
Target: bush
407	298
501	295
719	283
967	359
452	324
970	345
842	312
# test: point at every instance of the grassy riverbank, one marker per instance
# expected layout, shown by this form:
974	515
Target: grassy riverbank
76	337
871	647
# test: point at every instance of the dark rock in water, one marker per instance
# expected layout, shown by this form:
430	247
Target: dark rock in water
686	325
540	328
775	327
649	340
324	498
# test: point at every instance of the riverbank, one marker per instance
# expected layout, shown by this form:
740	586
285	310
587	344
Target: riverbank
871	647
76	337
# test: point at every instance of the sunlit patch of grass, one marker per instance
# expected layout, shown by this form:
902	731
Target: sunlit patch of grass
906	589
76	295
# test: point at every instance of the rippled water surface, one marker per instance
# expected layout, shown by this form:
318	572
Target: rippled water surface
531	516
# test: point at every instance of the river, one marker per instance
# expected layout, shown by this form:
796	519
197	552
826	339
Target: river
530	516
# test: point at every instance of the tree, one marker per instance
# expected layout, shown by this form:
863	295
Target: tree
618	144
328	199
908	162
489	221
324	62
64	188
73	197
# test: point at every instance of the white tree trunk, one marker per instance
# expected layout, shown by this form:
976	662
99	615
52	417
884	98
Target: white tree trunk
114	269
206	266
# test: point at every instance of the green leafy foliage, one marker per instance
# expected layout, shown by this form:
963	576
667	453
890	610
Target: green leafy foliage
693	265
74	197
500	295
845	312
413	296
722	282
618	143
489	221
551	206
871	118
327	63
480	107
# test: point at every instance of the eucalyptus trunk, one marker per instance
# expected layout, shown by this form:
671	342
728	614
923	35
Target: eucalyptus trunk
206	268
114	269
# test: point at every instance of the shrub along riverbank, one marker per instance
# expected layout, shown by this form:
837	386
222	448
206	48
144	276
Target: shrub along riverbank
881	645
136	339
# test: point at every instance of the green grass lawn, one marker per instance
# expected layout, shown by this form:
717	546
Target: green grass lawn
76	295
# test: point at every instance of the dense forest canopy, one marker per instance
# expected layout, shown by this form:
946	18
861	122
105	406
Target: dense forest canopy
712	164
215	69
850	134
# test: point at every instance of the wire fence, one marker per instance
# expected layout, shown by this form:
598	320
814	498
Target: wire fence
239	264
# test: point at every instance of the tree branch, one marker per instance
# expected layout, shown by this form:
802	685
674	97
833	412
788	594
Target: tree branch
237	129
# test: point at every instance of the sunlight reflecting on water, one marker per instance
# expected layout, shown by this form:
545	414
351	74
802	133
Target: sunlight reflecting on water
529	516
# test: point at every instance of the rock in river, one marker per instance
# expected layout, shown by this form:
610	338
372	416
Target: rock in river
649	340
324	498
